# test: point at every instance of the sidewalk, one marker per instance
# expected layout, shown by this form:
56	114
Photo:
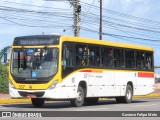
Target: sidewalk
5	98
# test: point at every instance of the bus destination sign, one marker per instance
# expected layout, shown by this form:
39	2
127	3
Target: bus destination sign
33	40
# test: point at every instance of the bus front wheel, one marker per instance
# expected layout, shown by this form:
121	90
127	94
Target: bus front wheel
128	96
37	102
79	100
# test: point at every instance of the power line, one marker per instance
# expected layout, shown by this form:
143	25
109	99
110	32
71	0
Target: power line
124	38
92	16
122	35
123	14
36	18
92	21
30	25
33	5
87	12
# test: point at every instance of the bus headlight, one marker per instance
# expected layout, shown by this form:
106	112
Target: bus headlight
53	85
11	84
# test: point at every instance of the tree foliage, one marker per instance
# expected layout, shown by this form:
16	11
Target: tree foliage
3	72
3	78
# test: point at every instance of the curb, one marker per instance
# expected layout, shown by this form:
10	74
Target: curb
148	96
27	100
10	101
153	95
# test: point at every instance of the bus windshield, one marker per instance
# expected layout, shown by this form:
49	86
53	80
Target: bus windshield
34	62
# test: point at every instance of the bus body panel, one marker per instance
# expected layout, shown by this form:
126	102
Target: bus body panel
110	84
100	82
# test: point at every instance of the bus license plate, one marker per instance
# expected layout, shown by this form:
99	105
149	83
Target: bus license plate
31	96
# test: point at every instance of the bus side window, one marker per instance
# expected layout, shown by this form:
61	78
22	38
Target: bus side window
149	61
81	55
140	60
107	57
130	59
93	55
119	58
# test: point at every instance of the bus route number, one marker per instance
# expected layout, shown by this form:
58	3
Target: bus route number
21	86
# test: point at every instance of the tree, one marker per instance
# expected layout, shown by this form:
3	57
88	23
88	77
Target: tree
3	78
4	71
4	51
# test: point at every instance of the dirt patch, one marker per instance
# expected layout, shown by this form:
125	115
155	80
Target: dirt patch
4	95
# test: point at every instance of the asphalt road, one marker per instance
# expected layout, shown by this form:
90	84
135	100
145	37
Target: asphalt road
138	105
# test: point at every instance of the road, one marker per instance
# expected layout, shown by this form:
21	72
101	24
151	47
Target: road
138	105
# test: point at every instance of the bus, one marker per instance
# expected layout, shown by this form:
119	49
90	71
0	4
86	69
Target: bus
79	70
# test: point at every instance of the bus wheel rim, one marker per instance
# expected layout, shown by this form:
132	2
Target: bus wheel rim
79	96
129	95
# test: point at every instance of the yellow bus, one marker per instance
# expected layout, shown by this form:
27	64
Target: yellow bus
79	70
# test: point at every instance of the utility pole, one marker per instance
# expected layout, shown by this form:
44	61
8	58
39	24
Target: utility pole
76	12
100	27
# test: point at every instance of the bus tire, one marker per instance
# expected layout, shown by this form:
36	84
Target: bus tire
91	100
37	102
79	100
128	96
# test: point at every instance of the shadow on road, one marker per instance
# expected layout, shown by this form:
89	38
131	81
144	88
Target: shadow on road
66	104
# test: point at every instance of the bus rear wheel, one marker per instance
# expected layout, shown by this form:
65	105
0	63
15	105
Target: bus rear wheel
79	100
128	96
37	102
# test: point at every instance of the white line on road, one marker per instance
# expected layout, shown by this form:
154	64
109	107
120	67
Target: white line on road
145	105
94	109
4	108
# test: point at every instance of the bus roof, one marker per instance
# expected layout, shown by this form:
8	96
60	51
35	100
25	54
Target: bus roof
106	42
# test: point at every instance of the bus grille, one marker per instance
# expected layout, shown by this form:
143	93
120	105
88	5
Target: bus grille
24	94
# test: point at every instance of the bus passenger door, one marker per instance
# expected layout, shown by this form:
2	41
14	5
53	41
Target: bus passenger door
67	59
67	69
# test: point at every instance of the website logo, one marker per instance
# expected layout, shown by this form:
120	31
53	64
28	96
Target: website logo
6	114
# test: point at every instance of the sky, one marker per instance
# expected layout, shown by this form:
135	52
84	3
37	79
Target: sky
131	18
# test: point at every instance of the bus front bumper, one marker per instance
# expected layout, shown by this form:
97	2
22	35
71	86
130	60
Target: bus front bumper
56	93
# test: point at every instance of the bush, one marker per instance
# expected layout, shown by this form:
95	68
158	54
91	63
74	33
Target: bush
3	78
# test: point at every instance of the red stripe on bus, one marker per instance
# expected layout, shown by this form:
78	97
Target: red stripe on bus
86	71
147	75
95	71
